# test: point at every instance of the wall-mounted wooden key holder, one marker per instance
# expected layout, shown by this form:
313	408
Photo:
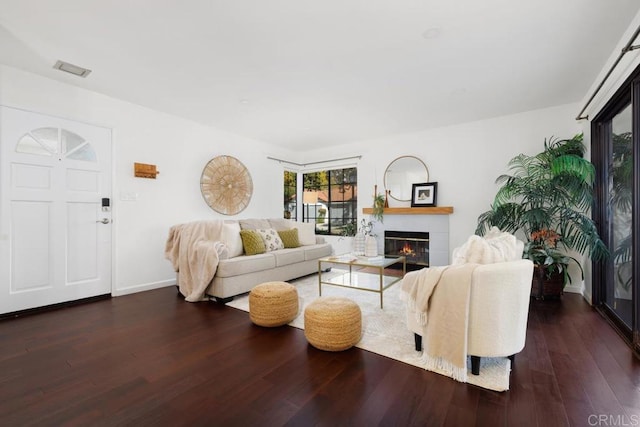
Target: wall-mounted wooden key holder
142	170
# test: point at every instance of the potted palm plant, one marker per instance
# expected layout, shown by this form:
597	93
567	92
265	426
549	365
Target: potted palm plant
546	197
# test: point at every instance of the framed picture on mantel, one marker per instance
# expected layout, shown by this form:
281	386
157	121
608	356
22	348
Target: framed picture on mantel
424	194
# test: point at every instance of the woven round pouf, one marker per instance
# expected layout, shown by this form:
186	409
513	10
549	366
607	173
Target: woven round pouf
333	323
273	304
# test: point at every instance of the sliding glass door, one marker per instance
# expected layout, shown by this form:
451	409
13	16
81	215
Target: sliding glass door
615	154
619	292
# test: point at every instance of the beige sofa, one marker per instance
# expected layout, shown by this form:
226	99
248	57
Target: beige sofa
237	273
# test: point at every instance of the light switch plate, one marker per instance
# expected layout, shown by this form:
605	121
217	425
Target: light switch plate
128	196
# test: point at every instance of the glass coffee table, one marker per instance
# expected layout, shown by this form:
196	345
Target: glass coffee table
357	273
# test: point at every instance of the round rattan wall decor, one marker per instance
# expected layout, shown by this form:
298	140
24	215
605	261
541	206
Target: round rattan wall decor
226	185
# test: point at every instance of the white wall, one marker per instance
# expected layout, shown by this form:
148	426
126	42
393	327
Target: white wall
179	148
627	64
465	161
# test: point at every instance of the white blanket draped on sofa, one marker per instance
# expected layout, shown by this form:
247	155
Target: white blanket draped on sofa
195	249
438	297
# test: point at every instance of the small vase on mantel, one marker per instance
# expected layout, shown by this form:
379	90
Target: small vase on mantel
370	246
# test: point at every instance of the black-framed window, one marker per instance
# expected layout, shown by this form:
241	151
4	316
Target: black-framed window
330	199
290	195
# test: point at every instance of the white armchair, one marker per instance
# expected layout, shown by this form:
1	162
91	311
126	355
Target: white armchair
498	311
498	304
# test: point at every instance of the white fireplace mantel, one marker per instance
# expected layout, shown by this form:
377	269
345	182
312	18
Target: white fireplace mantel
434	220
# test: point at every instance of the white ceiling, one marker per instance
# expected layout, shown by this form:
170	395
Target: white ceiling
300	73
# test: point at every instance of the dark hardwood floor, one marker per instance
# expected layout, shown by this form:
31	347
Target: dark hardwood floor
153	359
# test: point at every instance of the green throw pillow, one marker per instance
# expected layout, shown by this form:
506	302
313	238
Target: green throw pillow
289	238
252	242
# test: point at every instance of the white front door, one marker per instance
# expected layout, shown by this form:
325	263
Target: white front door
54	246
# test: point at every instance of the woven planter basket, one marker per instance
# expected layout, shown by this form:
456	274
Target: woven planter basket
273	304
543	287
333	323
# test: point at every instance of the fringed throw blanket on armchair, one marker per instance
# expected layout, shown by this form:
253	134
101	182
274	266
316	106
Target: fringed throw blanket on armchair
438	300
477	306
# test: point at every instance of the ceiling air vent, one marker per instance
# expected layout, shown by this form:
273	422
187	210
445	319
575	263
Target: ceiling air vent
72	69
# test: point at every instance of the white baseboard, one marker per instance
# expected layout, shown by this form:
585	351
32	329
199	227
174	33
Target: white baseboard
580	289
574	289
143	287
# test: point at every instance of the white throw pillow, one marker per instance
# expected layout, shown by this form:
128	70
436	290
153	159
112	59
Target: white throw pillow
306	233
271	239
506	244
496	246
231	238
280	224
254	224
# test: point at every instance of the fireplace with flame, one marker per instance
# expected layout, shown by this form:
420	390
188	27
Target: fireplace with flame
414	245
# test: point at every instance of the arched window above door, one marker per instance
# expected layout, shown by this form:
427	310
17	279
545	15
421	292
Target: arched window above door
50	141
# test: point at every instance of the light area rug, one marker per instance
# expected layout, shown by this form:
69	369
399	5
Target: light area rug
385	331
